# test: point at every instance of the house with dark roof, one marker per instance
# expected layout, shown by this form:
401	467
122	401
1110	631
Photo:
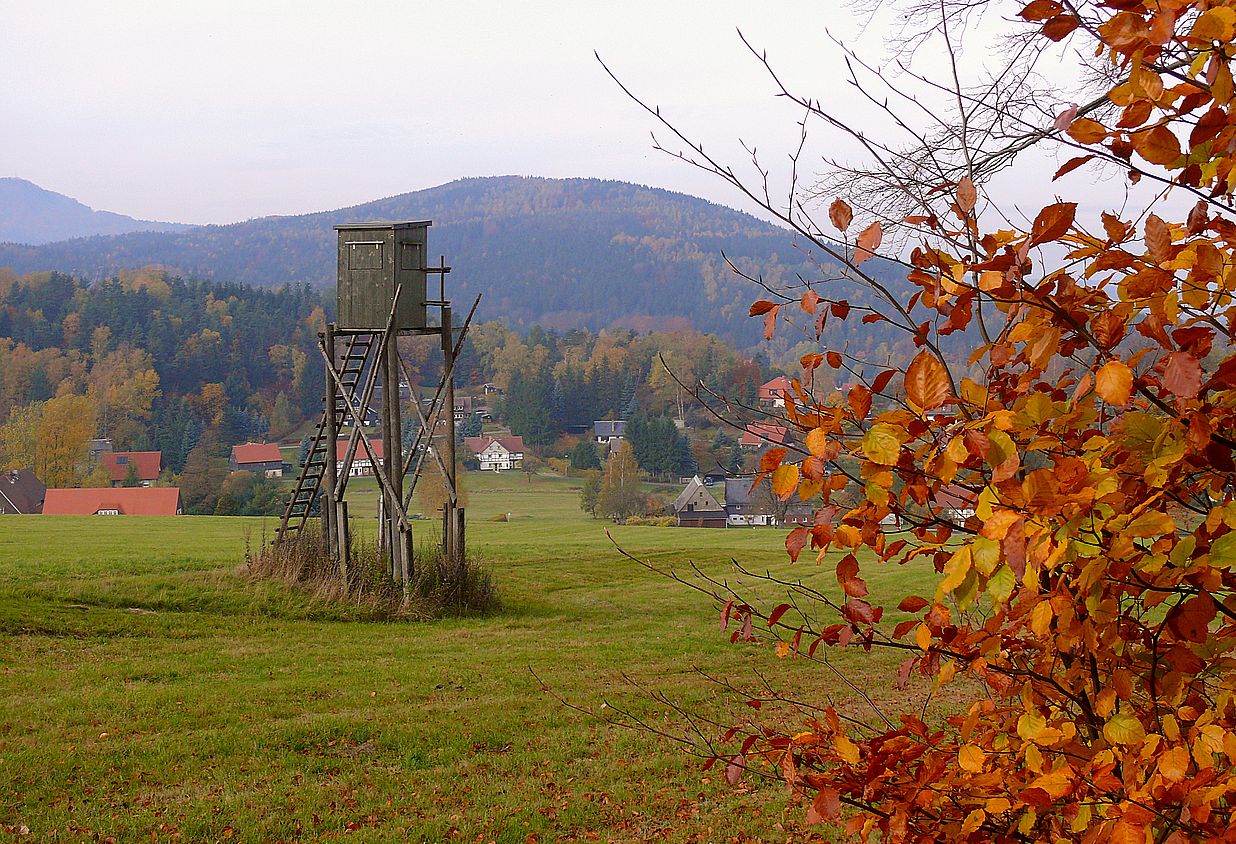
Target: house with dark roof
497	454
118	464
21	493
745	507
606	430
259	458
109	501
772	393
695	506
760	434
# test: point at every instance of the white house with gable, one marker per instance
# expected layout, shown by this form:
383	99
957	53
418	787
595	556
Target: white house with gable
497	454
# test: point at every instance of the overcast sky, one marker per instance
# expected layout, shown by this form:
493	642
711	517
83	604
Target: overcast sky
216	112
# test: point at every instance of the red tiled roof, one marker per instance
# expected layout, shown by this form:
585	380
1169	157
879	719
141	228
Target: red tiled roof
774	388
130	501
956	497
758	433
149	464
511	443
256	453
341	450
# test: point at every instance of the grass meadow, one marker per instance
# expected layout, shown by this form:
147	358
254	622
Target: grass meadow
149	691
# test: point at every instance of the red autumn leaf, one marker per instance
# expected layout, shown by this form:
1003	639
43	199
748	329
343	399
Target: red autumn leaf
775	615
1059	27
1158	239
840	309
770	460
734	770
1158	146
811	361
1041	10
881	380
967	196
825	806
796	540
770	323
1182	375
1071	165
868	242
834	359
763	306
860	612
859	400
847	568
840	214
1191	620
1052	222
912	603
926	382
725	614
1065	118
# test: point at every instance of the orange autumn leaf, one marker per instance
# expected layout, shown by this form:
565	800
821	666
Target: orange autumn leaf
926	382
1114	383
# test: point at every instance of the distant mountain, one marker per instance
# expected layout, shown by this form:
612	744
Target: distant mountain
31	215
561	253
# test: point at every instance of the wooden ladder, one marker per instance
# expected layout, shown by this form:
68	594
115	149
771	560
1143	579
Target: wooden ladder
309	483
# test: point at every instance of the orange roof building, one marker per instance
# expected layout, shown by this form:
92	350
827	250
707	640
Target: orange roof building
149	464
759	434
113	501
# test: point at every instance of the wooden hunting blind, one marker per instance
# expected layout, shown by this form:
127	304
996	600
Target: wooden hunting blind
374	259
379	263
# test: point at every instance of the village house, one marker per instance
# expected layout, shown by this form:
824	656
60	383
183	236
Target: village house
954	503
147	463
760	434
747	508
259	458
497	453
695	506
108	501
605	431
21	493
362	466
772	393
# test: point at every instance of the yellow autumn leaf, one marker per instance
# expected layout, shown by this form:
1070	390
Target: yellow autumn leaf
882	444
783	649
1123	728
1030	724
922	636
784	480
1040	618
816	441
846	749
971	758
973	821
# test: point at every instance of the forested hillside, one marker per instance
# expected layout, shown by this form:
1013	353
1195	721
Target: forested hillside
573	253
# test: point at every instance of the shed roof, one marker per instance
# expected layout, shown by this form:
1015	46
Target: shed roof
256	453
149	464
130	501
775	387
696	489
609	427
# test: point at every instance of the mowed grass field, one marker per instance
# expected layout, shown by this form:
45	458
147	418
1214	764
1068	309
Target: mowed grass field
149	691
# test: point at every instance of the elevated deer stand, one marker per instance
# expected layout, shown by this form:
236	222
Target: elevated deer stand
381	294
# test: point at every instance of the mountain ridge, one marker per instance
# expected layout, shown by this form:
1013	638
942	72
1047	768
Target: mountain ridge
33	216
561	253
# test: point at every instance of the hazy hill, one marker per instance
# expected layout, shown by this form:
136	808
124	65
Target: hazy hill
31	215
556	252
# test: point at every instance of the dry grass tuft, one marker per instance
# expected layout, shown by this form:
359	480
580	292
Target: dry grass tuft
437	589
